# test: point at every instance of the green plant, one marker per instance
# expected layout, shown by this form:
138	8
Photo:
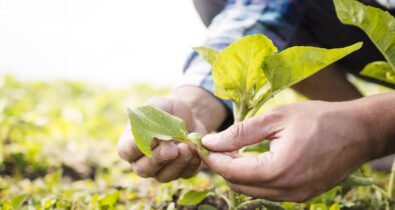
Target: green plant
380	28
249	72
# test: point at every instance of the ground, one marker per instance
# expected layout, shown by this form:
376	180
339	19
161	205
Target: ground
58	151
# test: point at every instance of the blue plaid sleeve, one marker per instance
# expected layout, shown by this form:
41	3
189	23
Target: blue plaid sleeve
276	19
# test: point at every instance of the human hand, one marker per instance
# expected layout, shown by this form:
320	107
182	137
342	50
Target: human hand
313	146
170	160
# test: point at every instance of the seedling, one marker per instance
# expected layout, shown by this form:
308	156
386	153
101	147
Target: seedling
249	72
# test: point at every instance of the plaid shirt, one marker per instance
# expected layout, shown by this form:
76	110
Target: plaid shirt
276	19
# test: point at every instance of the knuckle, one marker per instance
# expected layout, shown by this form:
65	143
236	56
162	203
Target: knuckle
186	153
140	172
274	114
227	175
237	131
123	152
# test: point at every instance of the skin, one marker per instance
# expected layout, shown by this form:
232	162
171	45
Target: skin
172	160
307	140
313	146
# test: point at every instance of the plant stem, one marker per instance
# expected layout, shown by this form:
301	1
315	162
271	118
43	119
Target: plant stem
234	200
239	114
391	186
380	190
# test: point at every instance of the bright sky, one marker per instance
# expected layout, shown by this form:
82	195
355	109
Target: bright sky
115	42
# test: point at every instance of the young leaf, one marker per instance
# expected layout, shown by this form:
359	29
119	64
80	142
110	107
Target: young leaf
196	138
377	24
148	122
192	198
210	55
297	63
17	201
237	71
380	70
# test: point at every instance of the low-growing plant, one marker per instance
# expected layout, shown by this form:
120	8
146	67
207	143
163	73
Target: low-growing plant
249	72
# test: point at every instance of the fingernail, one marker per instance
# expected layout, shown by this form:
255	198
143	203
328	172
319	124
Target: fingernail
209	139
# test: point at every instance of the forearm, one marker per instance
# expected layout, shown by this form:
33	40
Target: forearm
330	84
204	106
379	113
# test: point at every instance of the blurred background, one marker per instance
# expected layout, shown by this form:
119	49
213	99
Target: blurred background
106	42
68	70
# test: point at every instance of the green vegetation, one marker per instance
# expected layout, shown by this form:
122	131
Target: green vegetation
58	151
58	139
380	27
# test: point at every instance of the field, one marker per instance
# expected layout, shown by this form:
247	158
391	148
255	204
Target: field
58	151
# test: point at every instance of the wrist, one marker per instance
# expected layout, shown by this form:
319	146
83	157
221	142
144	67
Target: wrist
204	106
378	117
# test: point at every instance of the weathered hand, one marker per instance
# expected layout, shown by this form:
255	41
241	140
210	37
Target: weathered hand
170	160
313	146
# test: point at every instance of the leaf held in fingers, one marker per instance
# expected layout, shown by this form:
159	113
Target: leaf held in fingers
148	123
379	25
297	63
237	72
210	55
192	198
196	138
380	70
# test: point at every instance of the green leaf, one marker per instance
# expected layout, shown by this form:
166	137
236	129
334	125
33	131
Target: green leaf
6	206
380	70
377	24
297	63
335	206
109	200
192	198
237	71
355	181
196	138
148	122
318	206
210	55
206	207
17	201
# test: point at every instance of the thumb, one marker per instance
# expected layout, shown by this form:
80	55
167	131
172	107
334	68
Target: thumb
240	135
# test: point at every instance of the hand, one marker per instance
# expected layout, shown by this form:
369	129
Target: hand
170	160
313	146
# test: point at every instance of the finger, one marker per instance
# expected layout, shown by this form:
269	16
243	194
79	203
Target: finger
164	153
174	107
259	192
127	148
173	170
242	169
192	168
243	134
